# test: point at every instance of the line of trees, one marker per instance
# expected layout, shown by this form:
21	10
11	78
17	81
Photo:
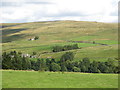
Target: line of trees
65	48
13	60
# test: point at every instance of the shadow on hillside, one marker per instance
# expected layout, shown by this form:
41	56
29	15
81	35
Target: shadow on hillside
6	32
6	39
4	26
12	31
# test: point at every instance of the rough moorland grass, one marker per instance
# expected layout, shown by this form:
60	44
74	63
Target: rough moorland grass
31	79
63	30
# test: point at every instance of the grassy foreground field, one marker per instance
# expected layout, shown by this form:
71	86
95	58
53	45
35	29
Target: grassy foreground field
32	79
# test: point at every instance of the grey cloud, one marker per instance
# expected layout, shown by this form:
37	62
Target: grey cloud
114	13
39	3
61	14
23	20
64	14
17	4
9	4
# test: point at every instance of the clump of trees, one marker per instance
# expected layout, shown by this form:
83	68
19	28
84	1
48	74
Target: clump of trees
67	56
34	53
64	48
15	61
36	37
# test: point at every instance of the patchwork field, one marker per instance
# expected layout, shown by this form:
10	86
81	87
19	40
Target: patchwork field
32	79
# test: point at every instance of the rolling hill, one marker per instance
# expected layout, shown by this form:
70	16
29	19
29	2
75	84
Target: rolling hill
16	37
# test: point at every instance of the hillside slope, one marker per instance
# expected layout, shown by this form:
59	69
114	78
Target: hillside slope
15	37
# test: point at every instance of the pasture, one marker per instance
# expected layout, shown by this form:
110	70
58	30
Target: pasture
34	79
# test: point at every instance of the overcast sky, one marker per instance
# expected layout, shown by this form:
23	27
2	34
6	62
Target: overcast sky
17	11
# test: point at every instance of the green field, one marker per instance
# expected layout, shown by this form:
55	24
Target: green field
32	79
